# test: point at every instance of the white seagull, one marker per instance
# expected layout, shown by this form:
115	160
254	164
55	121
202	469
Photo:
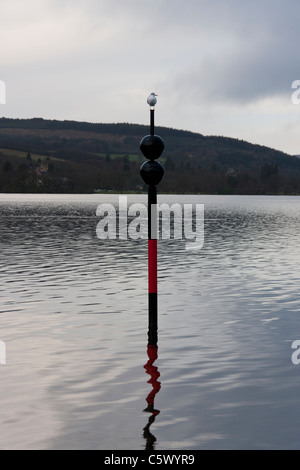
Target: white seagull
151	100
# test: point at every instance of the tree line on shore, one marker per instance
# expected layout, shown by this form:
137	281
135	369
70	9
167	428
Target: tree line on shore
57	156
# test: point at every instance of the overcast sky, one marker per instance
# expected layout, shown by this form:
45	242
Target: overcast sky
220	67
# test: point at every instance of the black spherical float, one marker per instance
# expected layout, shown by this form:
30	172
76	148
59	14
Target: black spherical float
152	146
152	172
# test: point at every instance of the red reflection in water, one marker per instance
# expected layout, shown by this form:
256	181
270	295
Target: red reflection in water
152	370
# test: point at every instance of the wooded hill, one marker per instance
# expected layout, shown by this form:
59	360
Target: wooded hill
38	155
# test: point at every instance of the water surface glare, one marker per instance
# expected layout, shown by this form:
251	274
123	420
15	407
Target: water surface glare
74	320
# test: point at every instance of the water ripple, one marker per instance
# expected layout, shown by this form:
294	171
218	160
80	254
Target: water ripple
74	319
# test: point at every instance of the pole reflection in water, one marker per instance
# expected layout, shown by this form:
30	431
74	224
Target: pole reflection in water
152	370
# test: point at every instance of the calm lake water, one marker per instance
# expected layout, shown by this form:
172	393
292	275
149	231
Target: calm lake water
74	318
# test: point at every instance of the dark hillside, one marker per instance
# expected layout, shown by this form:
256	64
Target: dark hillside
69	156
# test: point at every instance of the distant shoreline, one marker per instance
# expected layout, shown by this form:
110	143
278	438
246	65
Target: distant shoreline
50	156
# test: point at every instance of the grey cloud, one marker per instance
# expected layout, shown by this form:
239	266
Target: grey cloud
203	52
260	60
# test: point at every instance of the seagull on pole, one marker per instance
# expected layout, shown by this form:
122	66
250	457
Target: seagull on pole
151	100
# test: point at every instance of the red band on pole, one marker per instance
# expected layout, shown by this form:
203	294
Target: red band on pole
152	266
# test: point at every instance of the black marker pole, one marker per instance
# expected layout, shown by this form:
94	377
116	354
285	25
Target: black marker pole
152	121
152	263
152	173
